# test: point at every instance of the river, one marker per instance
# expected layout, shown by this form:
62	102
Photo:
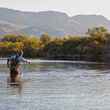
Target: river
57	85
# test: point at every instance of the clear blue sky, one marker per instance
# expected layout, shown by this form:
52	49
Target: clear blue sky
71	7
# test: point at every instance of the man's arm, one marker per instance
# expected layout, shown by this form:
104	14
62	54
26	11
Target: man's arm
8	62
25	60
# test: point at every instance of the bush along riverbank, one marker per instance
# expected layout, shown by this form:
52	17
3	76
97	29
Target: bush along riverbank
94	46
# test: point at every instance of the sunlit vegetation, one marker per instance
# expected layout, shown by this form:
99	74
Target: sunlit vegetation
95	46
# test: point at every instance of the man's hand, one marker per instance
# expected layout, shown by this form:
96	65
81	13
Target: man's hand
28	61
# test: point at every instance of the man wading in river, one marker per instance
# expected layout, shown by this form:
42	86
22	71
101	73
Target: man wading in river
13	64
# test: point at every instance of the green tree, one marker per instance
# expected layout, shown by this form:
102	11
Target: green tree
45	39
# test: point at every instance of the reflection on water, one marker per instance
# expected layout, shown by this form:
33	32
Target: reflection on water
16	87
57	86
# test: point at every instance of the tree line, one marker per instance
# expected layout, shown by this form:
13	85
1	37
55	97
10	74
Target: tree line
94	46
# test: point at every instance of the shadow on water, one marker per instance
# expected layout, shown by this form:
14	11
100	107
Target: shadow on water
48	66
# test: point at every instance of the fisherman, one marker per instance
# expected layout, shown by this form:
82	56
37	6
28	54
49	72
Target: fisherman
13	64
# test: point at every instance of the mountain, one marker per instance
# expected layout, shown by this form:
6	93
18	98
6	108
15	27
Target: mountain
55	23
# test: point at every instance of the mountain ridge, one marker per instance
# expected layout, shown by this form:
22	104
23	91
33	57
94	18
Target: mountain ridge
54	22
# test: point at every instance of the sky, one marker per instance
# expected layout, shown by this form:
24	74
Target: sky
71	7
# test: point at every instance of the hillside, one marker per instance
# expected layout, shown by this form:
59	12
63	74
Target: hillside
55	23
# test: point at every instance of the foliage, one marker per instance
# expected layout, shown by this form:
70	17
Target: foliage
91	47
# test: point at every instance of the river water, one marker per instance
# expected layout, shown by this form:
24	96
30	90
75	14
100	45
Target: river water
57	85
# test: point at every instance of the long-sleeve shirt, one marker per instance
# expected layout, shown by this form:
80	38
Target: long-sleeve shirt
14	61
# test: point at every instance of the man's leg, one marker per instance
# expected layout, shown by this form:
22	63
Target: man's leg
13	75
